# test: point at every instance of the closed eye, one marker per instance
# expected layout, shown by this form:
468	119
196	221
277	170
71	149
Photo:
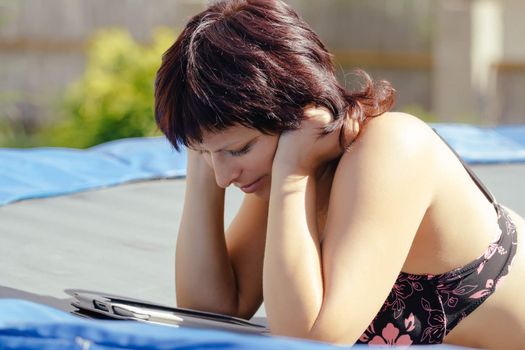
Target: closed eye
242	151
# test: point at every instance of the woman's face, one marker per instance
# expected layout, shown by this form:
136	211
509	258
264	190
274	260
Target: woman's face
241	156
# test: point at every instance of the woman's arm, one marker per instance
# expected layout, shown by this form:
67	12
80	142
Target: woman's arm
293	284
204	276
380	192
211	266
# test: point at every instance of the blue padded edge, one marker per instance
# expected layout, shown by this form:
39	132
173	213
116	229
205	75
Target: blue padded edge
27	325
45	172
514	132
478	145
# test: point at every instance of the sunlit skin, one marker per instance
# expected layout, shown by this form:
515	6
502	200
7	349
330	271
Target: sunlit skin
324	228
240	156
305	227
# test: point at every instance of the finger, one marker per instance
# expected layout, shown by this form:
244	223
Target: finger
320	114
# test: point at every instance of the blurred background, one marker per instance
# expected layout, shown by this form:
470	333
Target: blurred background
76	73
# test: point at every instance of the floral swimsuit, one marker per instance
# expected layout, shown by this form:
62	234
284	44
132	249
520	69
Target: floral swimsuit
423	309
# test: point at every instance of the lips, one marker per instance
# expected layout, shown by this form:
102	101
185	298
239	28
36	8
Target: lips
251	187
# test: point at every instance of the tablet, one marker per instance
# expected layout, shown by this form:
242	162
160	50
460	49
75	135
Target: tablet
107	306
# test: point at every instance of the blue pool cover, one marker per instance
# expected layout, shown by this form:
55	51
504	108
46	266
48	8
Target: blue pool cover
26	325
44	172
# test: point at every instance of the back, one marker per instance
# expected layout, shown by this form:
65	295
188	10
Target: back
460	223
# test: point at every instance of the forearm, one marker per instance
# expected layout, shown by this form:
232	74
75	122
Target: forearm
293	286
204	276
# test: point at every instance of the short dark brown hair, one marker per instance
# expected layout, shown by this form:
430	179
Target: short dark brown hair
253	63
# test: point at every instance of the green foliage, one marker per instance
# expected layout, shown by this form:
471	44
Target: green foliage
13	130
13	134
114	98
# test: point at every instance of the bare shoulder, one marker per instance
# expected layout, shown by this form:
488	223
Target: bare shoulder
404	135
389	170
380	193
397	126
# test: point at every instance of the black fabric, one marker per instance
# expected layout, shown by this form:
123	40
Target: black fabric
423	309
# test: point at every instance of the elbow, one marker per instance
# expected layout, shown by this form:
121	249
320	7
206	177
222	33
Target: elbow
334	334
294	329
328	338
331	338
232	308
339	333
201	305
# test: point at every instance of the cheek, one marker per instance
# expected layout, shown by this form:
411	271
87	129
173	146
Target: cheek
260	161
267	154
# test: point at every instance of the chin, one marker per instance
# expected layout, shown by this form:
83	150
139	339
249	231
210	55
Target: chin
264	192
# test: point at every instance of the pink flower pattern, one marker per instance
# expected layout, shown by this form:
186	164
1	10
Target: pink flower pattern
390	336
422	309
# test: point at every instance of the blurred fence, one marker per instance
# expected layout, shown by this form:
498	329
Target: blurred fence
42	46
510	91
43	42
391	40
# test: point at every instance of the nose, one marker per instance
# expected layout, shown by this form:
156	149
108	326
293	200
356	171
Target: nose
226	171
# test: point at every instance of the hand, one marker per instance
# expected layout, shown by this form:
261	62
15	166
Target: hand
199	170
302	151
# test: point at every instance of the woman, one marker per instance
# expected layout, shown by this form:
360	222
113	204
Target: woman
358	224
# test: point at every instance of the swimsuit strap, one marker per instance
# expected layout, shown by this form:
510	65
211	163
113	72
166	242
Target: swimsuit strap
474	177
